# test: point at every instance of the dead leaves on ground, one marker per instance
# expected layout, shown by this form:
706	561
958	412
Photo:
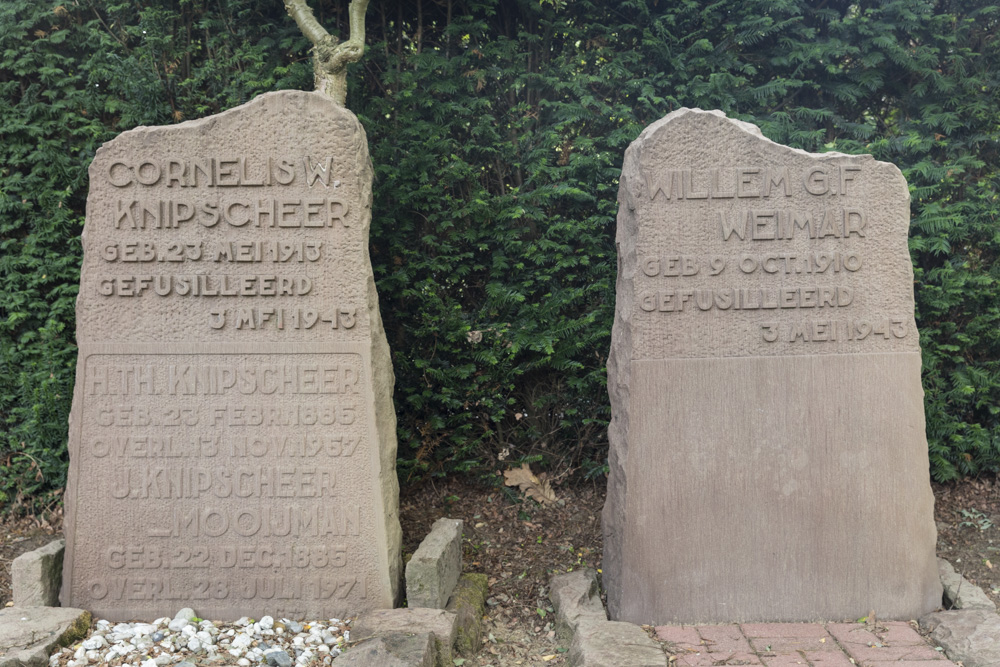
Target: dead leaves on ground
533	486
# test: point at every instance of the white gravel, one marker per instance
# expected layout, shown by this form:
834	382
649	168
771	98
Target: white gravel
186	640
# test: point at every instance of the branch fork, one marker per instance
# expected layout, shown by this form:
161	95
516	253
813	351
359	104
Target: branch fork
330	55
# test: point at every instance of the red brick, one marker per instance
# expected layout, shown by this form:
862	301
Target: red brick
678	634
723	639
802	630
852	633
868	654
828	659
908	663
793	644
694	660
786	660
900	633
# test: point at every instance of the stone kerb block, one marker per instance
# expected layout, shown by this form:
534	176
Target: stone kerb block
434	569
468	603
576	597
613	644
28	635
970	637
36	576
232	438
767	451
391	650
962	593
440	623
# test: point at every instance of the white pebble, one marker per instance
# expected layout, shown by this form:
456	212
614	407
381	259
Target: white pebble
266	622
243	662
194	645
95	643
178	624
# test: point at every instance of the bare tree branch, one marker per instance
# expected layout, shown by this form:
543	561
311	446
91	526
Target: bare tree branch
304	18
330	56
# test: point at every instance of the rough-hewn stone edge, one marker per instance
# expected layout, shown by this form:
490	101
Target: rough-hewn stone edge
434	569
439	622
37	655
383	384
613	644
961	593
576	597
594	641
468	602
409	649
614	515
36	576
970	637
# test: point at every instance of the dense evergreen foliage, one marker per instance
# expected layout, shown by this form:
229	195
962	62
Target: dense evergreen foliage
497	129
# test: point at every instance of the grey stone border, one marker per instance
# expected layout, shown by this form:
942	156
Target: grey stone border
969	633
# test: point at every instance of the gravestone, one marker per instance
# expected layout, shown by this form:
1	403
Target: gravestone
232	439
768	457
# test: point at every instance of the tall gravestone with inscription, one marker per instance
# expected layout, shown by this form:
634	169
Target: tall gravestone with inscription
768	456
232	440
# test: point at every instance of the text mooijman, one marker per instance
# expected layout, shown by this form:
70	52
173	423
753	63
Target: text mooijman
670	301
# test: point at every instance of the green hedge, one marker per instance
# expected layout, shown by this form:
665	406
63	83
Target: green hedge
497	129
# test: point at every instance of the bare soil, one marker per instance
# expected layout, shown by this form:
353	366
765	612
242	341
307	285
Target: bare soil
968	516
519	544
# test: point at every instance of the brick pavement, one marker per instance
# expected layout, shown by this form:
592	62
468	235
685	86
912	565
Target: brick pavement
885	643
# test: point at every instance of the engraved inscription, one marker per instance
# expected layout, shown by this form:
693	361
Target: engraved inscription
743	241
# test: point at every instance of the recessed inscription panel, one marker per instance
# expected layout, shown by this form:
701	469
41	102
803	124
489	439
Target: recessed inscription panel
764	384
766	258
247	474
232	439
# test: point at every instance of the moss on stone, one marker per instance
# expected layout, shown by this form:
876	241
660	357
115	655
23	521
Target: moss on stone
77	630
469	604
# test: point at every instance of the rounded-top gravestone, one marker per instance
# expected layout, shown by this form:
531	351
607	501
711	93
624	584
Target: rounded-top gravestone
768	457
232	439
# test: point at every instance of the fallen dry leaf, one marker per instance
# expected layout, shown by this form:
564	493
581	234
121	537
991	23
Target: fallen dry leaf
533	486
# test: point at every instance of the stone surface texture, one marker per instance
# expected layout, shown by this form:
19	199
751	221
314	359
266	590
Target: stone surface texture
969	636
36	576
962	593
28	635
392	650
436	565
468	603
440	623
232	438
613	644
768	457
576	597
